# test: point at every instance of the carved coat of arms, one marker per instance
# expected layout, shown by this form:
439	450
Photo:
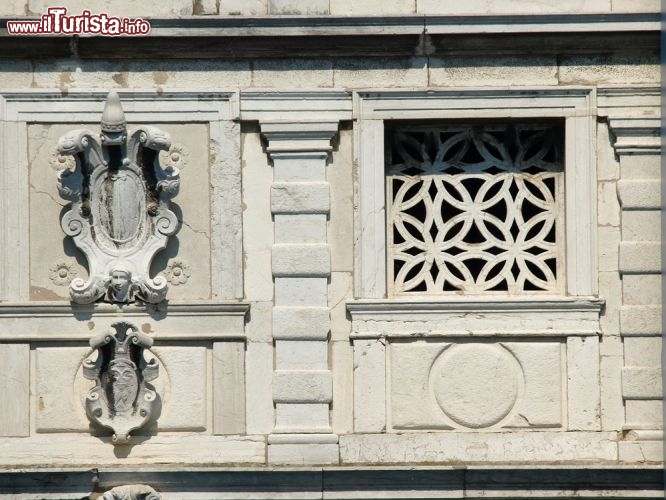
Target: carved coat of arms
119	215
121	400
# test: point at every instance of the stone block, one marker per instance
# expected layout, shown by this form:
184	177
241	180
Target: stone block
609	244
640	320
608	166
302	386
639	194
583	383
382	72
258	388
437	7
640	257
369	385
637	167
291	73
60	389
641	289
258	327
205	7
610	381
492	71
17	73
301	292
15	390
300	228
611	345
342	367
641	451
608	204
299	170
301	355
307	323
341	179
306	259
339	293
185	401
475	385
481	447
229	388
300	197
186	74
642	351
633	6
610	290
66	74
609	69
641	226
372	7
119	8
257	224
644	413
13	8
641	383
243	7
302	418
303	454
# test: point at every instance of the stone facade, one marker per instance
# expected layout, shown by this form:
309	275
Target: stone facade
322	336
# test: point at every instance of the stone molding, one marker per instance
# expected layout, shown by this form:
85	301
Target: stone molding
576	105
634	116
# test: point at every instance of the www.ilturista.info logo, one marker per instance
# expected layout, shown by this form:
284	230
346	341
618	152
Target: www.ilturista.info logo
57	22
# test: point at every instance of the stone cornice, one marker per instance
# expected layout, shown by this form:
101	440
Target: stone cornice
336	36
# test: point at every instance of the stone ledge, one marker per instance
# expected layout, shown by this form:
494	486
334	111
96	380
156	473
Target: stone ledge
346	482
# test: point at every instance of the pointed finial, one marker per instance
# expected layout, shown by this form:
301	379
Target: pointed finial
113	117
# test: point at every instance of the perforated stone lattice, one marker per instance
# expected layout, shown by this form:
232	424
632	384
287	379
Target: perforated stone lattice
475	208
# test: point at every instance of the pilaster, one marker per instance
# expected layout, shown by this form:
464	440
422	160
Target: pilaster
301	268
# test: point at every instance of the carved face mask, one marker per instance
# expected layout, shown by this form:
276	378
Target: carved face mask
120	281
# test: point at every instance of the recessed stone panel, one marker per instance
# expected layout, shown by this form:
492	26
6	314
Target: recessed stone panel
475	385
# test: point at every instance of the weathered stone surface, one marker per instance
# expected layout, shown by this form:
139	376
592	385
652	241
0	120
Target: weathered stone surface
372	7
608	69
301	323
205	7
640	257
17	73
637	167
258	387
119	8
340	291
610	381
640	320
370	385
13	8
639	194
308	259
641	383
635	6
302	386
492	71
243	7
342	408
298	418
363	73
185	74
475	385
300	197
301	355
582	383
609	206
301	291
300	228
290	73
641	451
515	7
641	226
641	289
60	450
644	413
608	166
303	454
642	351
610	289
15	388
229	387
456	447
609	245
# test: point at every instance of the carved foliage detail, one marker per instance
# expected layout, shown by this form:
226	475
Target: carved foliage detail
131	492
121	400
119	215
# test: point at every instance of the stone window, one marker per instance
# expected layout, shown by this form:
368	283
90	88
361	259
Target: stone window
475	207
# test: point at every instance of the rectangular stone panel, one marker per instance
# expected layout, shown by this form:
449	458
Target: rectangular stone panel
644	413
640	320
640	257
15	390
301	291
300	197
229	388
642	351
641	226
639	194
475	385
369	385
583	393
302	417
641	383
300	228
301	323
641	289
301	355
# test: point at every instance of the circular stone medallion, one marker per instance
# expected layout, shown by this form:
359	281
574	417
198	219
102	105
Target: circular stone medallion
476	385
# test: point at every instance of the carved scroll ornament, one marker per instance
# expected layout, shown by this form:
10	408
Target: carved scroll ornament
121	400
119	215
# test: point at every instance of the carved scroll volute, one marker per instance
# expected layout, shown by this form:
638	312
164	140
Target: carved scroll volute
121	400
120	213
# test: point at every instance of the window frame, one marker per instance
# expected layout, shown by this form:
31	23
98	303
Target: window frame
574	104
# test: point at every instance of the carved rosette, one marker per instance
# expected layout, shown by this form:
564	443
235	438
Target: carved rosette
121	400
120	213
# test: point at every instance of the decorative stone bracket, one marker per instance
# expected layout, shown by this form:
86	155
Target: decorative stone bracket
119	216
122	400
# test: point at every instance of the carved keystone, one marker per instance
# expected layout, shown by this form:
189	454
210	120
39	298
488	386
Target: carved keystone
119	215
121	400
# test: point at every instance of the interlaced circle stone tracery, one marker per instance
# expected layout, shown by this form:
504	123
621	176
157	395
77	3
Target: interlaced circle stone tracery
475	208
